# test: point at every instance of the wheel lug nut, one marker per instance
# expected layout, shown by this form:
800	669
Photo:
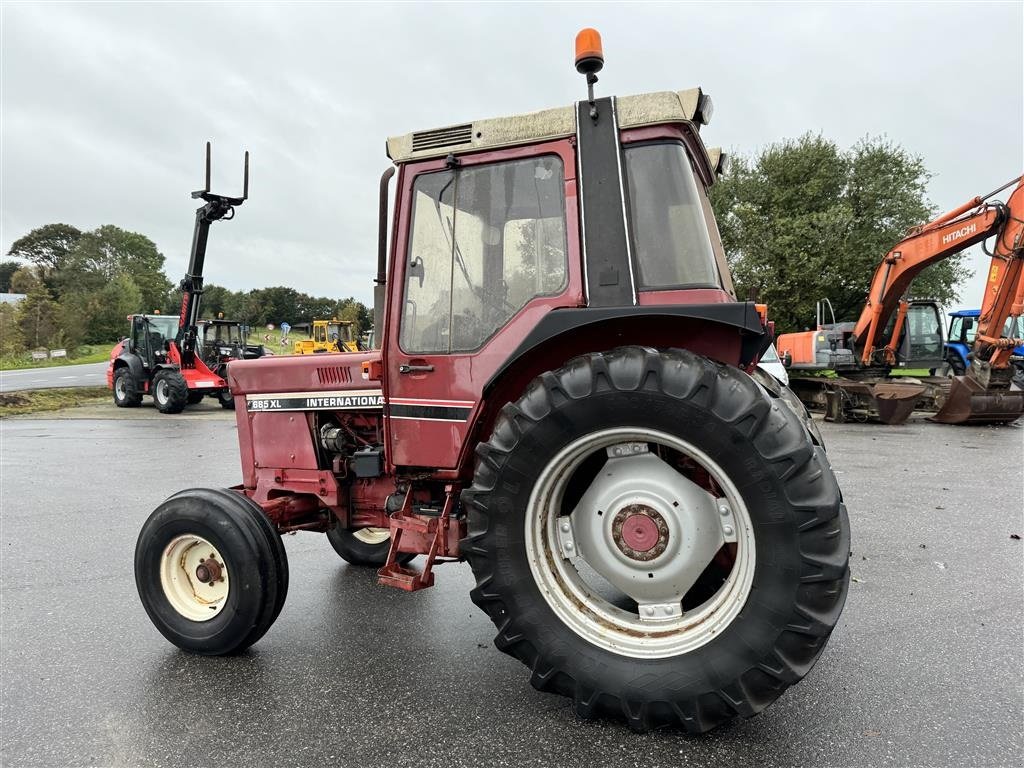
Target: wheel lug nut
727	530
724	510
568	545
650	610
668	610
565	527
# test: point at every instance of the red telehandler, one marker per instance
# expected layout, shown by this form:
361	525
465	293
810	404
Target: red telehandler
893	330
562	397
165	356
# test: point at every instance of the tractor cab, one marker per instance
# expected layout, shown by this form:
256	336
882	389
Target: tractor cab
149	338
963	327
220	341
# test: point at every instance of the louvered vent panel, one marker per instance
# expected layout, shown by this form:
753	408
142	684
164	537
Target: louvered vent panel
334	374
442	137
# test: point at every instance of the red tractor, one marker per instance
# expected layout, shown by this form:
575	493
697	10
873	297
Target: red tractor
168	357
562	397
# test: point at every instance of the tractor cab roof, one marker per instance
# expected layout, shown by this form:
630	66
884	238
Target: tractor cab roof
966	313
217	321
663	107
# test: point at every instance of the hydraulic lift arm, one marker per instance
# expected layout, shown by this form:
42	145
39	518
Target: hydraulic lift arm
217	207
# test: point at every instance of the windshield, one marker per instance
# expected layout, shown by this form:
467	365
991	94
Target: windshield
222	334
166	326
670	234
770	355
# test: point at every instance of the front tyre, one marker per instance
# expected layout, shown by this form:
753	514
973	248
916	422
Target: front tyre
170	392
657	537
211	571
226	399
126	391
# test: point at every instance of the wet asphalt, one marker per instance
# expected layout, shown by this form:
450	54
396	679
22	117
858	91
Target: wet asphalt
924	669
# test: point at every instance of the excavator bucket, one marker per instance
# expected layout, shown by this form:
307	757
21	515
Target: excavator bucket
883	401
969	402
895	402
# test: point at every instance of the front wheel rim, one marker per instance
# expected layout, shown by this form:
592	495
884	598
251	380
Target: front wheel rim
194	577
119	388
161	391
656	534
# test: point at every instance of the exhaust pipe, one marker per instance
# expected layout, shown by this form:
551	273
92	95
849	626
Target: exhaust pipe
380	282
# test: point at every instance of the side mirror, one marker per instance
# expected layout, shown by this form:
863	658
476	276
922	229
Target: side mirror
416	270
787	359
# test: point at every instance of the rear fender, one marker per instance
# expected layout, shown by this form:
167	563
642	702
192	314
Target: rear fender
729	333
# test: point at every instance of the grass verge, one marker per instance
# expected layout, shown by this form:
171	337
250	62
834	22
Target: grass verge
94	353
34	400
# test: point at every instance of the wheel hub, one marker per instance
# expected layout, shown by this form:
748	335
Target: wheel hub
640	532
208	570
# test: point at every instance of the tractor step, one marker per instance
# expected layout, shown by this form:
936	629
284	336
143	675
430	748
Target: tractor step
428	521
404	578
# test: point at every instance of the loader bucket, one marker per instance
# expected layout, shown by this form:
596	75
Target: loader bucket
969	402
895	402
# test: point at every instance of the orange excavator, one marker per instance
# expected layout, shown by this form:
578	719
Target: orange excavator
863	354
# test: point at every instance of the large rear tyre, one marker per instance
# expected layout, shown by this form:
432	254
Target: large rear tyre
364	546
658	538
170	392
126	393
211	571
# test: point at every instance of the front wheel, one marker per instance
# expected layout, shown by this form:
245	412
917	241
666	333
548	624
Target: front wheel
126	390
170	392
364	546
226	399
211	571
658	538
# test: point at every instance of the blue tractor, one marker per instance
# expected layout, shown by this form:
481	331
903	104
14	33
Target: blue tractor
962	328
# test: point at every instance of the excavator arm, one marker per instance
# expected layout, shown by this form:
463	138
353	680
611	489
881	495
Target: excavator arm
971	223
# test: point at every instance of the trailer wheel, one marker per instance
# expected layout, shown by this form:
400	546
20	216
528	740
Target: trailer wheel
656	537
226	399
364	546
170	392
126	394
211	571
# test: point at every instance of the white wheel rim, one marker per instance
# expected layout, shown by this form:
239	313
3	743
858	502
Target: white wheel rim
119	387
187	578
589	614
372	536
161	391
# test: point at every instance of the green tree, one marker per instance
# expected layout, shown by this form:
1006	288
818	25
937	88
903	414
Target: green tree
25	280
38	320
7	270
102	315
805	220
99	256
47	246
11	341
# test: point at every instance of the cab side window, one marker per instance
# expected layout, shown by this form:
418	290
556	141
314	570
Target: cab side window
485	241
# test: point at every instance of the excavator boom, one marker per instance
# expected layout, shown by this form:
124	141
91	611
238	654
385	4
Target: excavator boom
985	393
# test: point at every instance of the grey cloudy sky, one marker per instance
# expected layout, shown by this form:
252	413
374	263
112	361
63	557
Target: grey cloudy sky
105	107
